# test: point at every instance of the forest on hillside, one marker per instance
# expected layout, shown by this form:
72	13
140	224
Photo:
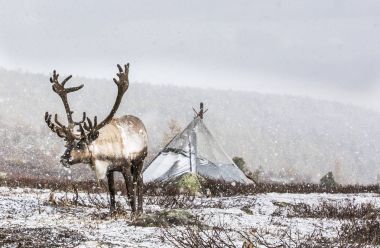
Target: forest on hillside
289	138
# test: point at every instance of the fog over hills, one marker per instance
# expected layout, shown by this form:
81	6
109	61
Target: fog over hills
285	134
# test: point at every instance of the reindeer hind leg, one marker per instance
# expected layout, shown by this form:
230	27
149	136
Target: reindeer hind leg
138	181
111	189
127	174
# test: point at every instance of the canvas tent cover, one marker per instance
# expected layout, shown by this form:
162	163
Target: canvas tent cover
194	150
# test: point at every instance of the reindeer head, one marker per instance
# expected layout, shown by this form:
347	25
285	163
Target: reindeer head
80	135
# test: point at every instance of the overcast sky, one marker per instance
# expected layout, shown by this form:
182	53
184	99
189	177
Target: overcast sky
324	49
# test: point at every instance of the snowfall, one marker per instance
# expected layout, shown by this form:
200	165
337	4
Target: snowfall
32	212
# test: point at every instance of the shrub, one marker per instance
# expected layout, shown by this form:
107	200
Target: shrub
189	183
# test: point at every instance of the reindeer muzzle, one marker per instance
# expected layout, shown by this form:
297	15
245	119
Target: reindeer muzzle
65	162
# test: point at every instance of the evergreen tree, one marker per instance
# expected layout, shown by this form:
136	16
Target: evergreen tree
328	180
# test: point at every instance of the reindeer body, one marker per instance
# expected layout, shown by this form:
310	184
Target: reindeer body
122	139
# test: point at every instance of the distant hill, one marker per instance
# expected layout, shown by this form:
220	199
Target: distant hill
289	137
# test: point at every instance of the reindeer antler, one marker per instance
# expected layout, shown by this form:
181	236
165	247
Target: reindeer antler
122	83
89	129
58	130
60	89
57	127
92	132
122	86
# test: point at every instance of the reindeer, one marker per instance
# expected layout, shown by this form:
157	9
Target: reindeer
115	144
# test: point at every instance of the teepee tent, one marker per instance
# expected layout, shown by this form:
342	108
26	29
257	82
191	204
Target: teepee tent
194	151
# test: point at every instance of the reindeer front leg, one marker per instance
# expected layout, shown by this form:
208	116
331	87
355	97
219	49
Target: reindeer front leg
138	181
111	189
127	174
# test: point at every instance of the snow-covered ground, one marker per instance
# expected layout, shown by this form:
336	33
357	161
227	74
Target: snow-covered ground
33	211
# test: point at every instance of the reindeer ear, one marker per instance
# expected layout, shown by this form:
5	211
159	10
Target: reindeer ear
93	135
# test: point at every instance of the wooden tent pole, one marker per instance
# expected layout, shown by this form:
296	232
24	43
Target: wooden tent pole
201	111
